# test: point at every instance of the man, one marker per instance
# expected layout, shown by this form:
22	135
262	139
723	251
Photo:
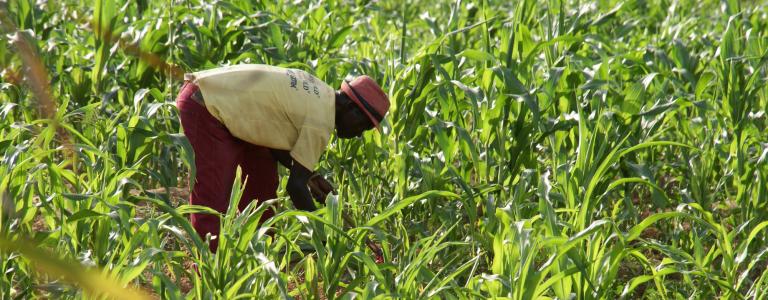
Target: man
255	115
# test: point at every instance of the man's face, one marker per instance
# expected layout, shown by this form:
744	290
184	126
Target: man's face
352	122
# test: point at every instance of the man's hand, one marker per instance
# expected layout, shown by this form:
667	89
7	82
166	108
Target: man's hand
320	188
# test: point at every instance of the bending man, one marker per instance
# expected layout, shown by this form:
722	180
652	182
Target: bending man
255	115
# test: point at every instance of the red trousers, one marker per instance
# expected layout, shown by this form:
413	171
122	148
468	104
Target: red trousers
217	155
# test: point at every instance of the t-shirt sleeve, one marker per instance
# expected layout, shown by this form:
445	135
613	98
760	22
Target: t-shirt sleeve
310	146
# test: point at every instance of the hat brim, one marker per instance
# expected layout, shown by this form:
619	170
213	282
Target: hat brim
351	94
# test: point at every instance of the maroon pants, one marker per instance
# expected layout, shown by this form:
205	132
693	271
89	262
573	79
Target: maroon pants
217	155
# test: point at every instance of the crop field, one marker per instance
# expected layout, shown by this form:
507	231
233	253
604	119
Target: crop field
550	149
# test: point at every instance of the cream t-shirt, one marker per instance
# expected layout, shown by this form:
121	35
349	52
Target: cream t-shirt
278	108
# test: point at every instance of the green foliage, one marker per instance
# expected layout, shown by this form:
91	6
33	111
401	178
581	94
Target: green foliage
534	150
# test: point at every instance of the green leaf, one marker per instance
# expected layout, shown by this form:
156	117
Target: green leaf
83	214
477	55
405	202
339	37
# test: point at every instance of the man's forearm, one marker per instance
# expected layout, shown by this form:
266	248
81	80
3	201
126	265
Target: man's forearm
300	196
297	186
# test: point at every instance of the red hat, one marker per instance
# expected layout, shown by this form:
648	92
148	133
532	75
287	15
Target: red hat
368	96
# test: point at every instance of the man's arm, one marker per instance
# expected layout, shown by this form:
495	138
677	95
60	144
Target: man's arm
297	181
297	187
284	157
